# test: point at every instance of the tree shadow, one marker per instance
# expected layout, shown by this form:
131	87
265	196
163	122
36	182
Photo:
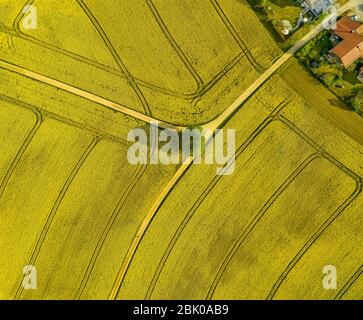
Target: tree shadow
337	103
261	17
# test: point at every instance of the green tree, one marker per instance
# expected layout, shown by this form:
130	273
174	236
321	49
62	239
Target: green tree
329	79
356	104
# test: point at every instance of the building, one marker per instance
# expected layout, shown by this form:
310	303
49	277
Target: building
350	47
314	8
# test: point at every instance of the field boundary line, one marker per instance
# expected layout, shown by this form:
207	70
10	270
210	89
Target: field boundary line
111	220
349	283
57	203
144	226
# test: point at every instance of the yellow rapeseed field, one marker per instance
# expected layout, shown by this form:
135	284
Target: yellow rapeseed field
152	65
266	231
97	227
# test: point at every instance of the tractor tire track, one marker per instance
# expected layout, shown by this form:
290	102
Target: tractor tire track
275	117
145	225
116	56
329	221
318	149
349	283
312	240
55	208
203	196
117	72
41	43
175	45
85	94
201	88
54	116
256	219
152	86
129	189
236	36
21	151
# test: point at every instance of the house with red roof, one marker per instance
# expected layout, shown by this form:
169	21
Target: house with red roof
350	47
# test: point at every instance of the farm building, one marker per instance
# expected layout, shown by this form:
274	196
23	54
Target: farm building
350	47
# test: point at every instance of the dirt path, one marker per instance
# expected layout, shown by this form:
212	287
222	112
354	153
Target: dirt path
214	124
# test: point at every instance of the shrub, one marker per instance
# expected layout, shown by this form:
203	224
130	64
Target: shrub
329	79
356	103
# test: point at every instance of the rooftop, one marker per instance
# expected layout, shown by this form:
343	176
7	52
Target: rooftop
351	32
